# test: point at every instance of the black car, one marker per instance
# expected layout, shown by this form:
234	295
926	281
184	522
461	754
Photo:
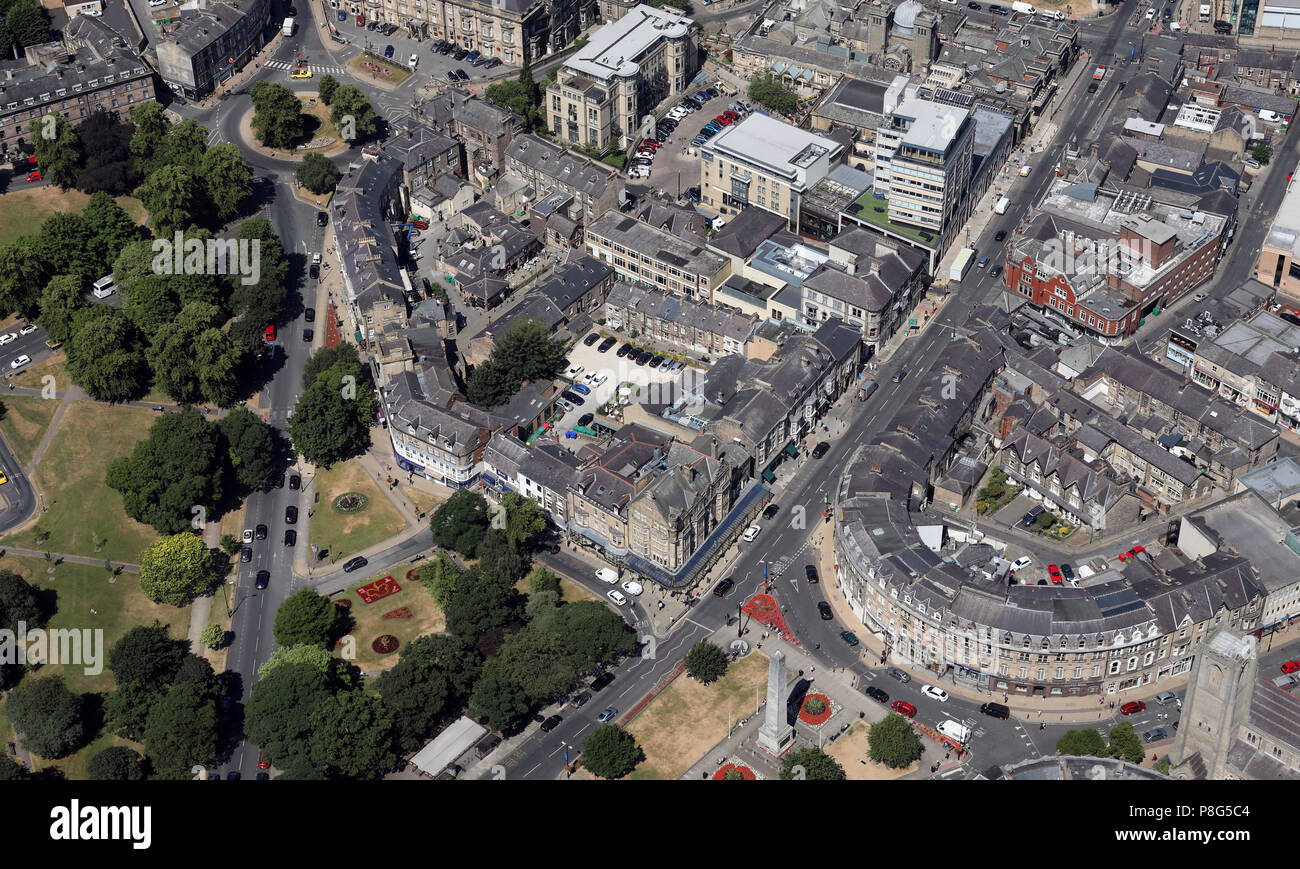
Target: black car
261	532
233	775
263	579
1092	87
462	75
246	554
996	710
572	397
771	510
447	48
643	357
580	700
997	10
290	537
290	515
354	564
322	218
1000	235
624	350
995	271
309	314
898	376
849	637
656	361
1068	572
452	77
586	419
820	450
825	609
307	336
602	681
723	587
459	53
876	694
313	271
606	344
551	723
810	571
591	339
279	481
372	25
295	482
974	6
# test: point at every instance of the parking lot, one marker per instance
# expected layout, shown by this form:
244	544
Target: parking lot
434	65
673	170
642	382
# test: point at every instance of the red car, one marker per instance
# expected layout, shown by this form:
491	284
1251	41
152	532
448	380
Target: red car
902	707
1131	707
1291	666
34	175
262	763
723	119
270	332
420	224
31	161
1055	573
361	21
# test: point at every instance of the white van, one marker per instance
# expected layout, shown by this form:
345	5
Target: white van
104	287
958	733
1023	8
607	574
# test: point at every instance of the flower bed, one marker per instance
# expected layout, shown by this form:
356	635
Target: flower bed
384	644
378	590
402	612
815	719
763	608
745	772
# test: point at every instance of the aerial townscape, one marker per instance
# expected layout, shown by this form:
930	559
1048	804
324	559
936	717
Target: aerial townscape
600	389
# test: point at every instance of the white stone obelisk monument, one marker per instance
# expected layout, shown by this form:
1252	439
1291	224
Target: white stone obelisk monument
775	736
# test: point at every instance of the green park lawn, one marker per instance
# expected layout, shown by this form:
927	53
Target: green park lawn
23	209
26	419
70	476
349	533
369	622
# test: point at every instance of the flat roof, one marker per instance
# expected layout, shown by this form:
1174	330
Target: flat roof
615	49
934	125
776	146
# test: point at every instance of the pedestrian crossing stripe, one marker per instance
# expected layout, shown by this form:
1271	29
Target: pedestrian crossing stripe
280	64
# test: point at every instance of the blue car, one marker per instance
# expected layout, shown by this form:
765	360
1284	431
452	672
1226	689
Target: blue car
343	16
388	51
581	389
471	57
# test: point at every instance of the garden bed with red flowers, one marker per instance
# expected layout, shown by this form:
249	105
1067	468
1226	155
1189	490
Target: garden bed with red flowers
816	718
745	772
764	610
402	612
378	590
384	644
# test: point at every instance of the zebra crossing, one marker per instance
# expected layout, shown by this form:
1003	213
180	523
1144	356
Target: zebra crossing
280	64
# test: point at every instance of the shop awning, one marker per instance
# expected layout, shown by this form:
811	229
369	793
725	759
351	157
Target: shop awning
791	451
769	477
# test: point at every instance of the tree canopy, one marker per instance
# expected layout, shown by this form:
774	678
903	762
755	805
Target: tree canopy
307	617
524	354
611	752
176	569
182	465
893	742
812	764
50	718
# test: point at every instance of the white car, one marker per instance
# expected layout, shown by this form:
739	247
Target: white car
156	3
20	361
5	339
573	371
28	329
632	588
598	379
617	598
935	693
248	535
1022	562
589	377
414	61
751	532
638	172
1151	13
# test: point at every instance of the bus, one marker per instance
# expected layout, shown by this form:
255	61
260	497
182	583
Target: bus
961	265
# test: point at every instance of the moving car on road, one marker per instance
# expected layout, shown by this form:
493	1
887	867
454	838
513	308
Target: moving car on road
751	533
876	694
935	693
849	637
825	609
902	707
1132	707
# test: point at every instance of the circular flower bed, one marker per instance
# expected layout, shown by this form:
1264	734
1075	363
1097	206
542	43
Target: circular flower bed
350	502
814	701
384	644
745	772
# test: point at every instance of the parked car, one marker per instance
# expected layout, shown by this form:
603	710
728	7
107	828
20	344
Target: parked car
1290	667
1055	573
643	357
771	510
473	56
1155	734
294	482
1068	572
551	723
290	515
1022	562
820	450
602	681
580	700
624	350
996	710
935	693
290	537
586	419
572	398
895	673
617	597
261	532
607	714
591	339
355	564
606	344
876	694
721	589
581	389
751	533
810	571
246	554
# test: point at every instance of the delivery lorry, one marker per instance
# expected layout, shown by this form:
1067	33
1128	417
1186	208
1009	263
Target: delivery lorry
287	28
1001	207
961	265
1023	8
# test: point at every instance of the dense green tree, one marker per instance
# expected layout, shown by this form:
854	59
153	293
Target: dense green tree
311	654
214	637
50	718
539	662
318	173
479	604
326	87
170	195
327	357
183	464
416	693
541	609
593	633
512	95
63	297
767	91
278	715
12	770
151	304
525	519
611	752
499	557
277	115
126	710
352	736
1082	743
24	274
542	579
20	602
526	353
147	655
185	145
306	617
133	263
69	246
252	449
116	763
104	355
1263	152
893	742
331	420
151	128
464	512
219	361
501	702
107	165
182	730
172	354
174	570
706	661
440	576
57	149
351	114
813	765
227	180
1125	744
27	23
457	660
263	300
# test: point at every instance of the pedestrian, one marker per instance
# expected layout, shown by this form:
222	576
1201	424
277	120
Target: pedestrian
947	754
1042	725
